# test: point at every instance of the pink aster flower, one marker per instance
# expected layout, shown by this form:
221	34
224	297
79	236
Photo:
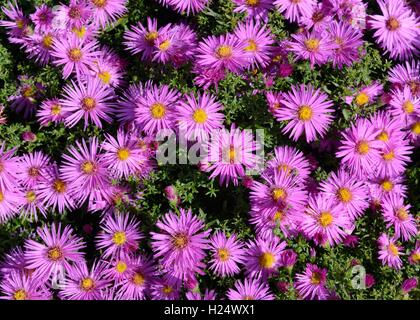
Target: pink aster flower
348	191
122	155
109	73
138	283
50	111
155	109
414	257
397	214
273	100
313	46
32	167
58	249
10	203
197	116
348	40
359	150
258	41
41	45
18	286
390	128
393	158
293	10
120	235
404	104
311	283
205	77
407	74
9	166
84	171
250	289
366	95
324	218
290	160
227	253
118	269
32	204
76	14
84	284
42	18
387	185
230	153
414	130
255	9
222	52
18	23
319	19
127	102
166	287
397	29
189	7
181	243
105	12
90	101
263	257
74	54
13	261
307	110
389	252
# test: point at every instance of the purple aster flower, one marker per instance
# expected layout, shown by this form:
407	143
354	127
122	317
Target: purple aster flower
351	241
394	158
139	281
13	261
90	101
172	195
207	76
408	285
32	167
273	100
324	218
348	191
319	19
109	73
414	130
307	111
26	99
197	116
397	214
223	52
288	258
58	249
105	12
404	104
181	243
186	6
74	54
255	9
42	18
369	280
230	153
258	41
293	10
122	155
263	257
359	150
50	111
127	102
76	14
9	166
10	203
155	109
250	289
397	29
348	40
390	128
365	95
120	235
119	269
18	286
414	257
165	288
227	253
406	75
84	284
311	283
389	252
18	24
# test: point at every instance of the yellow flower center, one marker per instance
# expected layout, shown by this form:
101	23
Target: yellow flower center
28	91
387	185
362	147
278	216
252	3
121	267
252	46
393	249
75	54
105	76
87	284
1	196
151	36
20	23
316	278
99	3
88	104
33	172
402	214
138	279
79	32
123	154
383	136
30	196
345	194
285	168
158	110
167	290
408	107
59	186
55	254
362	98
180	241
224	51
164	45
119	238
74	13
267	260
55	109
388	156
415	128
231	154
223	254
312	44
88	167
200	116
20	295
278	194
326	219
415	257
305	113
248	298
392	24
47	41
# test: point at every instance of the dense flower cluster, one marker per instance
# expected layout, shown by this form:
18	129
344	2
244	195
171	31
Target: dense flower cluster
286	203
